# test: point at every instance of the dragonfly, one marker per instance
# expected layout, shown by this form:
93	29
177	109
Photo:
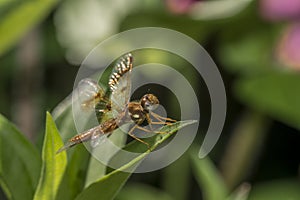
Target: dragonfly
118	107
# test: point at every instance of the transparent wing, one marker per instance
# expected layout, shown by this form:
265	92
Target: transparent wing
105	129
90	94
120	84
98	139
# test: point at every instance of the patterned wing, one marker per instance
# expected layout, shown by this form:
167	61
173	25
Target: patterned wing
90	94
120	84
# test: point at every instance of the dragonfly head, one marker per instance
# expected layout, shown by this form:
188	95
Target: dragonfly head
149	102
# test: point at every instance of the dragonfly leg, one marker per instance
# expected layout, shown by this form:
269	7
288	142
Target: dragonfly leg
149	122
144	129
149	131
162	119
168	123
136	138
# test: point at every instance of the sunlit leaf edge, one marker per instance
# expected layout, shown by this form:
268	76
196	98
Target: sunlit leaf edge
53	165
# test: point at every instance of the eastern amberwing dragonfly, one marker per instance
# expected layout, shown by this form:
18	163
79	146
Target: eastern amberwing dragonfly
118	106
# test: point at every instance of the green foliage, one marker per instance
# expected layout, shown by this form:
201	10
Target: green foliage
241	193
92	172
57	180
208	178
275	94
78	158
248	55
19	163
96	169
262	83
108	186
54	164
178	172
243	45
276	190
17	18
75	174
137	191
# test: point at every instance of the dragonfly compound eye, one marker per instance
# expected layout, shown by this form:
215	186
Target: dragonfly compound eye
149	102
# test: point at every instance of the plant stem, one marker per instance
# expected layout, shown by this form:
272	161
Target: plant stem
27	85
243	147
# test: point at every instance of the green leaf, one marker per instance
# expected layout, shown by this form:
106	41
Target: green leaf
276	190
20	18
97	169
105	188
171	178
137	191
208	178
74	177
80	162
108	186
53	166
241	193
245	142
212	10
274	94
63	116
19	163
250	54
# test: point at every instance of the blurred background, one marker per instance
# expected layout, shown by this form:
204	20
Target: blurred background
255	44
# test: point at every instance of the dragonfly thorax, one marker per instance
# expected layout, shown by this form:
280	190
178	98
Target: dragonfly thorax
136	112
